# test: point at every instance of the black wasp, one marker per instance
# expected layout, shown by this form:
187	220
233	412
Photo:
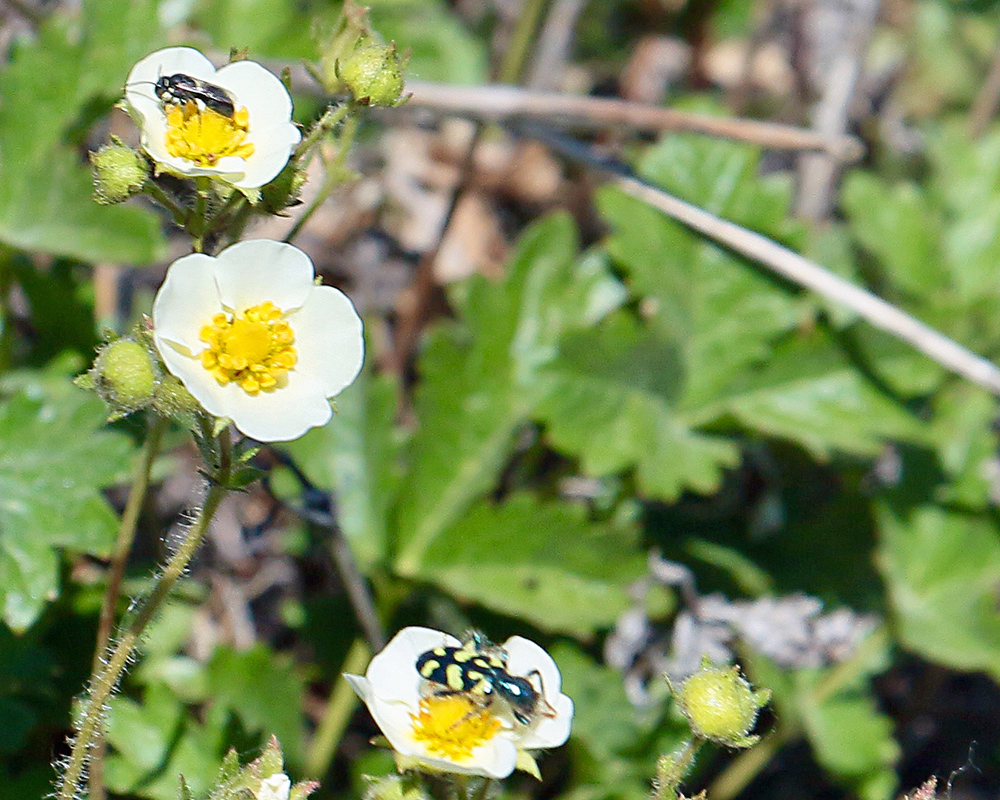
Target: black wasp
178	89
478	669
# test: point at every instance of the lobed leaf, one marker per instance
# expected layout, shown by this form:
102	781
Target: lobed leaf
54	460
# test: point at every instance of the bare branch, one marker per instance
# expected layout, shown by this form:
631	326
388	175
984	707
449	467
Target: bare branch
789	264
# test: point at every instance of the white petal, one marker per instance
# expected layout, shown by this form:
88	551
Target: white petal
269	107
361	685
393	672
199	381
187	300
523	656
495	758
278	416
256	270
272	148
277	787
154	142
329	339
170	61
259	90
549	731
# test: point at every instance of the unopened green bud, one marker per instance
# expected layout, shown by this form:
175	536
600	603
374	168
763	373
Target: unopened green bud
336	44
124	375
374	74
119	173
721	705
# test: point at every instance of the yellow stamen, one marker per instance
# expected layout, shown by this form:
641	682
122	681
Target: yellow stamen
203	135
253	349
453	725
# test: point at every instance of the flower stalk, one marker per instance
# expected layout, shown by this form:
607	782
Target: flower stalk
104	681
119	558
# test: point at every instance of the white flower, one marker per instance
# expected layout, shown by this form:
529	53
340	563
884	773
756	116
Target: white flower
255	340
451	732
277	787
247	148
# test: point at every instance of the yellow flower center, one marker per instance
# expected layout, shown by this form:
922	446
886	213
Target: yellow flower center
203	135
452	725
253	349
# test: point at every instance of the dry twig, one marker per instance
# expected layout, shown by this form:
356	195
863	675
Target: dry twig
789	264
508	104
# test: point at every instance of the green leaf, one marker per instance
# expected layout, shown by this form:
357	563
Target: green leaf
546	563
720	310
849	735
942	569
615	745
965	175
45	186
164	661
719	342
236	23
442	48
898	226
264	690
966	443
356	457
155	741
60	318
613	403
812	393
54	460
481	377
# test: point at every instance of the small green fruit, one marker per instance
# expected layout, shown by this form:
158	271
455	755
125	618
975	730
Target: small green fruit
119	173
374	74
125	376
721	705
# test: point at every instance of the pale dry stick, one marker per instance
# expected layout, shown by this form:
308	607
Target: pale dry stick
554	42
503	103
789	264
507	104
851	23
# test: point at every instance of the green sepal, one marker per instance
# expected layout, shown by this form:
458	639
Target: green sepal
243	477
271	760
184	792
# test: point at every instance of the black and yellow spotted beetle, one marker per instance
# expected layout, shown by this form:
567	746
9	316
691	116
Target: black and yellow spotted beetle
478	669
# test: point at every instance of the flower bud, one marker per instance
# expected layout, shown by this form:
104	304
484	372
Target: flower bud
374	74
721	705
119	173
125	376
337	43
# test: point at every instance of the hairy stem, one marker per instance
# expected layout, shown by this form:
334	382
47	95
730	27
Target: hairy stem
330	119
119	558
103	683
